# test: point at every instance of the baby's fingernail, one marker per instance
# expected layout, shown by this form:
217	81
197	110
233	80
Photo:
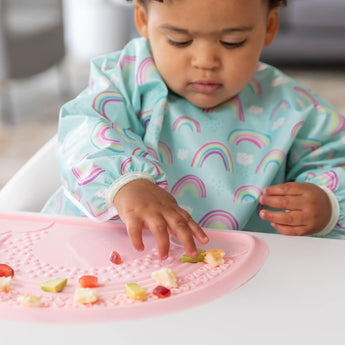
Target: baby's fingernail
193	254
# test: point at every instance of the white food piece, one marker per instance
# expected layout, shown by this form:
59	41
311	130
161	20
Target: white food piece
5	284
29	301
165	277
85	296
214	257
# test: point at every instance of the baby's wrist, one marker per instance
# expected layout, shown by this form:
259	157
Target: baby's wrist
122	181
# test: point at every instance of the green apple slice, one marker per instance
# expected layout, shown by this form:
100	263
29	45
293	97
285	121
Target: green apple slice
54	285
198	258
135	291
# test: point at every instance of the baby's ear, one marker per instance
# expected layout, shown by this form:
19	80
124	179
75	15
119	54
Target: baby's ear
272	25
140	18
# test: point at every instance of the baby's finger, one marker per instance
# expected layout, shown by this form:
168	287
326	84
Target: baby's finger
291	218
291	203
185	236
158	227
194	227
198	232
289	188
134	230
183	232
291	230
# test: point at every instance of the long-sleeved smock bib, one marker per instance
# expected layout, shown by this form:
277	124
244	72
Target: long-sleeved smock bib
215	162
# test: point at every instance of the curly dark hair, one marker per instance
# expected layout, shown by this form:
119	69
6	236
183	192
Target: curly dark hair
277	3
271	3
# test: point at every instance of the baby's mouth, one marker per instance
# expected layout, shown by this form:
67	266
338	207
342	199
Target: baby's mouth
205	86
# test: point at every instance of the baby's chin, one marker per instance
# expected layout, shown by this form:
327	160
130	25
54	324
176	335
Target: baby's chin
207	102
203	101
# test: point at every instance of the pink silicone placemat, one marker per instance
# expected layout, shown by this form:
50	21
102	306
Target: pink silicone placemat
41	248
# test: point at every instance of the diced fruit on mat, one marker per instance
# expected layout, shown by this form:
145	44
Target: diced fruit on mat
115	258
198	258
54	285
88	281
29	301
166	277
135	291
85	296
5	284
6	271
214	257
161	291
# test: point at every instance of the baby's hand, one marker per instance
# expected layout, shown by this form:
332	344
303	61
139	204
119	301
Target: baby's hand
306	208
143	205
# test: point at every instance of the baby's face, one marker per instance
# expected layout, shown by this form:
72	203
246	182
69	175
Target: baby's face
206	50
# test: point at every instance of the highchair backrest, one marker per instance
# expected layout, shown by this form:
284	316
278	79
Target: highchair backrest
34	183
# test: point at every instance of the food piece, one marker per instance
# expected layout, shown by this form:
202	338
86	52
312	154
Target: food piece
214	257
88	281
5	284
85	296
29	301
166	277
55	285
198	258
115	258
6	271
161	291
135	291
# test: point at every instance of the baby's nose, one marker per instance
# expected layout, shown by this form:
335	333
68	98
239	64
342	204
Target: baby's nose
205	56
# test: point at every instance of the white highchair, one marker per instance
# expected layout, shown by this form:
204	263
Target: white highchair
34	183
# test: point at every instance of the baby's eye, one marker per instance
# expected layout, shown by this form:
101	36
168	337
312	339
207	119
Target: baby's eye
233	45
180	44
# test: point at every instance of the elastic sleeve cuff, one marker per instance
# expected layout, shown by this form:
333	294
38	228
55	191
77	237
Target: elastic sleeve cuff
335	212
122	181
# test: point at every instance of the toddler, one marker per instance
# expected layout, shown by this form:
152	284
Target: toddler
185	129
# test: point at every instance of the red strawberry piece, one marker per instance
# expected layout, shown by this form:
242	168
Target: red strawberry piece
115	258
6	271
88	281
161	291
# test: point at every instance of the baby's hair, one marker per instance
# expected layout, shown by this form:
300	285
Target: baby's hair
271	3
277	3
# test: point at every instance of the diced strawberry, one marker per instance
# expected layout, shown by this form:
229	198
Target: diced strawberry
6	271
161	291
115	258
88	281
